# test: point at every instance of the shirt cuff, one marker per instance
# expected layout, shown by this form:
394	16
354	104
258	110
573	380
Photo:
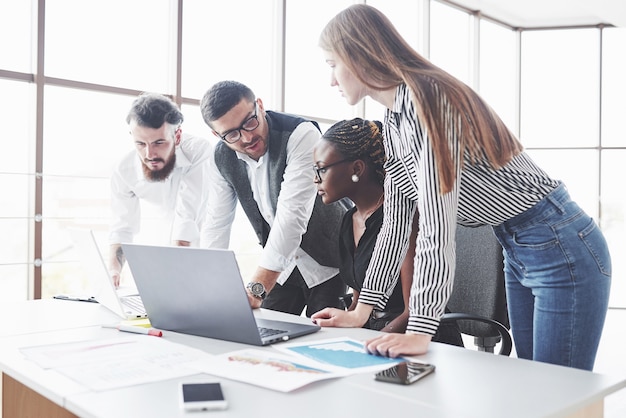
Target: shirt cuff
185	231
273	261
421	325
120	237
373	297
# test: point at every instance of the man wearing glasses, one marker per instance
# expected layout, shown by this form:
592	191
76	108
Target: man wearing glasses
264	161
168	170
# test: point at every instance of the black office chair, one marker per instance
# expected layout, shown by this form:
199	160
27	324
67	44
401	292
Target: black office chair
478	301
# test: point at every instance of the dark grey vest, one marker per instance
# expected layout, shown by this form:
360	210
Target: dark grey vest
321	238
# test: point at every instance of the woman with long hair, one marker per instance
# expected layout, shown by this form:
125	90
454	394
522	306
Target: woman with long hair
453	160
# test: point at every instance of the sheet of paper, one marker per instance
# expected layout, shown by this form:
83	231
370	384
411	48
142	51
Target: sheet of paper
117	362
266	368
338	354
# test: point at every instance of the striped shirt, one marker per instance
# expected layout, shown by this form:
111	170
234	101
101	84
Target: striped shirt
481	195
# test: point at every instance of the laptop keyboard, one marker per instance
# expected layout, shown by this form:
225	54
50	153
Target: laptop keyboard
134	302
268	332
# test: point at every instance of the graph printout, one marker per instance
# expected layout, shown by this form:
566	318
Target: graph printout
340	354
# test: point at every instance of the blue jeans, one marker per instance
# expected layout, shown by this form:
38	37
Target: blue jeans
558	276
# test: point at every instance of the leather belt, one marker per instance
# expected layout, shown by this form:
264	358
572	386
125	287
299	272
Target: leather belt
377	314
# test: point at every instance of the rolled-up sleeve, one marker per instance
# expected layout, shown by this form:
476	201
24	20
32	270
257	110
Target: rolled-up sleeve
295	202
220	212
125	211
193	193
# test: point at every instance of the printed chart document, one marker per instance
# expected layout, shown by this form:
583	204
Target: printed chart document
342	355
265	368
117	362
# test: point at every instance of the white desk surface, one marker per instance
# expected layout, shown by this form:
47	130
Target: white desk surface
466	383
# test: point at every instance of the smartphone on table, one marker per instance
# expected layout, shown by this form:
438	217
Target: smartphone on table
405	373
202	396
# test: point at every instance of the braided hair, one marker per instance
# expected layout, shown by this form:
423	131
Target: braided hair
359	139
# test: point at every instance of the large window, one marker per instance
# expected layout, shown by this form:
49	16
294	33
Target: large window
114	42
231	40
613	170
17	25
451	40
560	107
498	61
560	90
613	87
85	134
16	183
307	76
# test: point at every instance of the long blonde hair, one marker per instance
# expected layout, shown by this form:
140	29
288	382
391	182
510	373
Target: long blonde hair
373	50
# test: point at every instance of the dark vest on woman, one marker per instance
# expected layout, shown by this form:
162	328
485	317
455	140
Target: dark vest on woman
321	238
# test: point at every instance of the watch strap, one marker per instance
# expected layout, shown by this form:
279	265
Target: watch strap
262	295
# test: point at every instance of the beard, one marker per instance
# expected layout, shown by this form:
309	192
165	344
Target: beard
162	174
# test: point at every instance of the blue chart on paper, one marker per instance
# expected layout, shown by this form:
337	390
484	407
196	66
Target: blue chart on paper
349	354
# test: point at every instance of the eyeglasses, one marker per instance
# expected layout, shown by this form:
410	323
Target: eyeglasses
248	125
318	171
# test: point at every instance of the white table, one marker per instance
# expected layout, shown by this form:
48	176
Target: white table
466	383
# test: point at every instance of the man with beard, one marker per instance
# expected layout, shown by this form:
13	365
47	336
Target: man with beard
264	160
167	170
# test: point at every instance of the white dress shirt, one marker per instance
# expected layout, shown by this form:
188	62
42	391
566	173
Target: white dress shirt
182	198
282	251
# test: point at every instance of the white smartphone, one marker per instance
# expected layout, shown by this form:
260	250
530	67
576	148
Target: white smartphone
202	396
405	373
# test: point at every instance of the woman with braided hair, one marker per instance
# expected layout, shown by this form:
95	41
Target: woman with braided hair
349	161
450	158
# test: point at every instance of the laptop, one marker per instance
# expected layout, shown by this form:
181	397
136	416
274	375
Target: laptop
127	306
200	291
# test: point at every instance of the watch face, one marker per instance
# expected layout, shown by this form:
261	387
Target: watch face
257	288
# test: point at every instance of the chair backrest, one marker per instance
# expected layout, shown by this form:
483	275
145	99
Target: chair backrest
479	280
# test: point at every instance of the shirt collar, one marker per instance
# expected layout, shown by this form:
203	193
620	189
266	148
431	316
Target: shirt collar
181	158
249	161
403	95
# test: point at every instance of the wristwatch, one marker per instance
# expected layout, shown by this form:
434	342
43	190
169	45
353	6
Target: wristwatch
257	290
